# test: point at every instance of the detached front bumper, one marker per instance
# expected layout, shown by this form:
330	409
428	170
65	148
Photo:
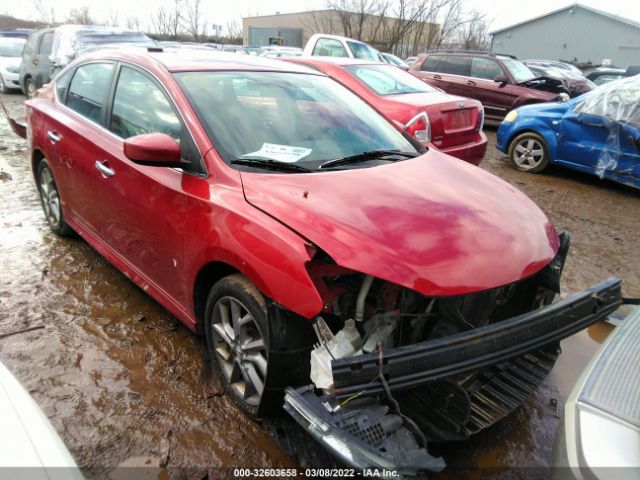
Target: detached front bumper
414	365
357	428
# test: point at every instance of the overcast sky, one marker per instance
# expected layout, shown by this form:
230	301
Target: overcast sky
502	12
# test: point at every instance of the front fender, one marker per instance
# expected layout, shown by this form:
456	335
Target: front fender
225	228
510	130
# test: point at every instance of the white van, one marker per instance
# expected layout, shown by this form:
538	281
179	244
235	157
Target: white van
323	45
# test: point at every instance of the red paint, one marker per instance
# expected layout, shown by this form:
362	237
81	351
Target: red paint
433	224
156	148
469	144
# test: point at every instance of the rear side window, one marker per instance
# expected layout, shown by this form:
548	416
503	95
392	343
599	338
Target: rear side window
431	63
139	107
328	47
455	65
46	44
485	68
88	89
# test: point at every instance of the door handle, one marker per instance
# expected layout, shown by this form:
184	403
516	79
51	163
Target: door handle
35	61
104	169
437	77
471	83
54	137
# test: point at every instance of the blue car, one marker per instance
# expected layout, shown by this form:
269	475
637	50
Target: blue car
598	133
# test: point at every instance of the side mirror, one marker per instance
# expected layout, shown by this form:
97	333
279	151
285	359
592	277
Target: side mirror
591	120
501	79
153	149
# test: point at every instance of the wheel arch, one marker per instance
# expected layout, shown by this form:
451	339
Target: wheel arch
207	276
550	140
36	157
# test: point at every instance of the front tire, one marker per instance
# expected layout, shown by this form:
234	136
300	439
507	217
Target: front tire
237	341
528	152
30	87
50	200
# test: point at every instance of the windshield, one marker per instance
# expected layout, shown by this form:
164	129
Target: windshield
519	71
388	80
287	117
11	47
363	51
392	59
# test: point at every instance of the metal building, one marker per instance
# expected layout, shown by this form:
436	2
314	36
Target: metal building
575	33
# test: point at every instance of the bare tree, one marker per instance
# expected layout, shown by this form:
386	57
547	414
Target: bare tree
45	13
132	23
234	32
474	34
80	16
113	18
166	21
195	21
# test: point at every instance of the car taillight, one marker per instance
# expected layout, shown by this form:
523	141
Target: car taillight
480	121
419	128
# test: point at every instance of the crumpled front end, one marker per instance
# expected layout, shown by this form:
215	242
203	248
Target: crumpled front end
394	370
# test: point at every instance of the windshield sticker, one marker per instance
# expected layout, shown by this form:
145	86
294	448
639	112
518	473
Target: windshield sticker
280	153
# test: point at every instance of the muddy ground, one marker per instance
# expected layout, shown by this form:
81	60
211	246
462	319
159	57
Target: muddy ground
125	384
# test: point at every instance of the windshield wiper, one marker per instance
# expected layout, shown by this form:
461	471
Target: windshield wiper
364	156
270	165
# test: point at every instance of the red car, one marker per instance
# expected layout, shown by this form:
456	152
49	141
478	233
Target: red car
501	82
390	296
449	123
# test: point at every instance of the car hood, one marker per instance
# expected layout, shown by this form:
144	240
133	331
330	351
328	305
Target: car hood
433	224
551	109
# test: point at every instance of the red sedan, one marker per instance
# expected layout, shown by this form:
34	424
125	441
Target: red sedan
380	291
449	123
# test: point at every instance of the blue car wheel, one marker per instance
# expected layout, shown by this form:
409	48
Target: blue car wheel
528	152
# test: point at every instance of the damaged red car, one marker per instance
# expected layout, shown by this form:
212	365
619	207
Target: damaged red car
387	295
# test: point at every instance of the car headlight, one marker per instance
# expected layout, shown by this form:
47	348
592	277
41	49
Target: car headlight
511	116
563	97
12	69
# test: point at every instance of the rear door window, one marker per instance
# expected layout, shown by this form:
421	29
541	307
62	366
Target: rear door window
329	47
455	65
431	63
485	68
88	89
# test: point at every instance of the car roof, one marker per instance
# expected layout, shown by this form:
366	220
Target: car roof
340	61
336	37
187	60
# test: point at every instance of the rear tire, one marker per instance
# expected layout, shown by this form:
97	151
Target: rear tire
50	200
528	152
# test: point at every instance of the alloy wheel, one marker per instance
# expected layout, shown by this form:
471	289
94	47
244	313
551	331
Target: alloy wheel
528	153
240	348
50	197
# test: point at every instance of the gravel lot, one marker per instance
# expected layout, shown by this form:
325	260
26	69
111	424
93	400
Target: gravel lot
125	384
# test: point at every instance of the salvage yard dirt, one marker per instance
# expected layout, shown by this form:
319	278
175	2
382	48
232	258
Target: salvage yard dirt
125	384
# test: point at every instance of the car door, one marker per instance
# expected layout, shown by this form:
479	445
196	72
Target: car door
42	59
496	97
427	70
453	73
143	209
72	131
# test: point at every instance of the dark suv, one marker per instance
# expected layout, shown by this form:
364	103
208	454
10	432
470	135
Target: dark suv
500	82
48	50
